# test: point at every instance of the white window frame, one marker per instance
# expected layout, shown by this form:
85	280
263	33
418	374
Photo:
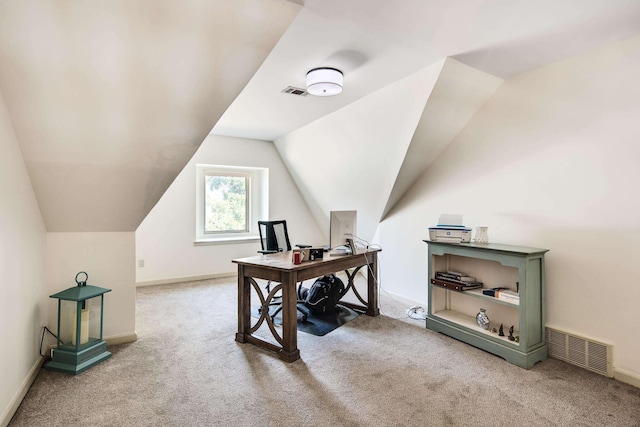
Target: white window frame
258	202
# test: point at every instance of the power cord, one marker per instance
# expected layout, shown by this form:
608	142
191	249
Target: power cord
42	339
376	277
359	242
417	313
362	243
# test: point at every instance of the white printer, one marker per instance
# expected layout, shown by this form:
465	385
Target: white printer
450	229
450	234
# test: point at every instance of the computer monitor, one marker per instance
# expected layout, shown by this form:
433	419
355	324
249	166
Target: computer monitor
342	227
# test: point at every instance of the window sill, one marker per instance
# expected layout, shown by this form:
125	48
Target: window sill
226	240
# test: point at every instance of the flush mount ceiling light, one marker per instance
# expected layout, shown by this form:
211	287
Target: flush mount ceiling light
324	81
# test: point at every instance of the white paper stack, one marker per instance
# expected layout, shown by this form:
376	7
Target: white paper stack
450	220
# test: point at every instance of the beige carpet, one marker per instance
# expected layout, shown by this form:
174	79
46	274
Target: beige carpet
187	370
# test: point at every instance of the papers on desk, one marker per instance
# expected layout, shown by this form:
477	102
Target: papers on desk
340	251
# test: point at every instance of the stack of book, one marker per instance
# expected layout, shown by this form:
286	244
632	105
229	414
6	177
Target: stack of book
456	281
508	295
504	294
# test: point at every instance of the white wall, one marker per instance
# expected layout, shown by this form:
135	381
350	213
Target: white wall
23	308
165	239
349	160
551	161
110	100
109	260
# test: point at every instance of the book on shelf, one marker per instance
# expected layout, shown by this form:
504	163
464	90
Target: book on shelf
450	279
491	292
456	286
455	275
508	295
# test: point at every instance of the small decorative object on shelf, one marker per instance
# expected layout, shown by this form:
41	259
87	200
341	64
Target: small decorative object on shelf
482	319
511	337
501	331
482	235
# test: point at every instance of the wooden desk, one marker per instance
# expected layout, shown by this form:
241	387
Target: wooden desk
280	268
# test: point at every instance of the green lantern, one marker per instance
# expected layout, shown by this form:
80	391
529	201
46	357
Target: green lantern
79	342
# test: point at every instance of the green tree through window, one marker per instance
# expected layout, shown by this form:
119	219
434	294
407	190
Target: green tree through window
229	202
226	203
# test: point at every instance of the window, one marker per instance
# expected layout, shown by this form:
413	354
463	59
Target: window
229	202
226	205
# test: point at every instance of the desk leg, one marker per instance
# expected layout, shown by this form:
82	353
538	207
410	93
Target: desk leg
244	306
290	351
373	308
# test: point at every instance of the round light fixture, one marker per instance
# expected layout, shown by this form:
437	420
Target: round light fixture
324	81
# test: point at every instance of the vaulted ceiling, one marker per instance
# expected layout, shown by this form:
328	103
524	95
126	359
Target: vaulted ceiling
378	42
109	99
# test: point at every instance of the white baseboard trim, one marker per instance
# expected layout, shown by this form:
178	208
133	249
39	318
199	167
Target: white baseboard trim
626	377
403	300
184	279
10	411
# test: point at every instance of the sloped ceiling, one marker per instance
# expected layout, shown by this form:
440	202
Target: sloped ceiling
365	147
350	159
458	92
365	156
109	99
379	42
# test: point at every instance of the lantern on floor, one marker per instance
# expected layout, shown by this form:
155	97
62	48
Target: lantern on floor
79	342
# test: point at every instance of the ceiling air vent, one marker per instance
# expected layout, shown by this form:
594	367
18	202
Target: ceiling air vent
295	91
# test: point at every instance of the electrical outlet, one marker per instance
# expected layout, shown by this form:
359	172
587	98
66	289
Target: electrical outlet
140	263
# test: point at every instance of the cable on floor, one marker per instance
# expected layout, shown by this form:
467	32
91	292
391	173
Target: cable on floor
417	313
42	339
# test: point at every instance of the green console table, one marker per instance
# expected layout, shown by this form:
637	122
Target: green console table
453	312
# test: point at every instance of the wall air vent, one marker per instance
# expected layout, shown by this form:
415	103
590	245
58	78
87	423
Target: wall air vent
579	351
295	91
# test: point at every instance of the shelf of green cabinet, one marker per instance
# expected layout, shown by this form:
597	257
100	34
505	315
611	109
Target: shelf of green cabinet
478	294
469	322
